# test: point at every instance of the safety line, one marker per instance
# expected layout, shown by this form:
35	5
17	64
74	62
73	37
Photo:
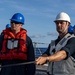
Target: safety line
10	65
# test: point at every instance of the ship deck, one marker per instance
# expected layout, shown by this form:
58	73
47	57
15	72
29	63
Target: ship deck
41	70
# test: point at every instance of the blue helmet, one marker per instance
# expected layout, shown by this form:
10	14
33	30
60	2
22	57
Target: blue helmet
71	29
18	17
8	25
74	26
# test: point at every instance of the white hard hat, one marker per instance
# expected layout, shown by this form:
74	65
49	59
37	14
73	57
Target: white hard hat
63	16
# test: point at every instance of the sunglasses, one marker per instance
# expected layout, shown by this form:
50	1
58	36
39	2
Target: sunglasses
15	22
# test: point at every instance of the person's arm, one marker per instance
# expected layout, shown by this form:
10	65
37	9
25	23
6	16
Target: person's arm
31	57
63	54
67	51
60	55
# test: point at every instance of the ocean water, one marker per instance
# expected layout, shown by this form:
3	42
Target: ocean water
39	51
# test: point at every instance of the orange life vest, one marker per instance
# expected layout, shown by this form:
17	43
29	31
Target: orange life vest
18	52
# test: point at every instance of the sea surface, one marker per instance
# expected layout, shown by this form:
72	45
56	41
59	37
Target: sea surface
39	51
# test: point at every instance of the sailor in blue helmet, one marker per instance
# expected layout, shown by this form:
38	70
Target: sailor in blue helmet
74	29
71	29
16	47
8	25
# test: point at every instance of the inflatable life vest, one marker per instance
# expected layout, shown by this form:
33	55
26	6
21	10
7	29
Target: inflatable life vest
14	46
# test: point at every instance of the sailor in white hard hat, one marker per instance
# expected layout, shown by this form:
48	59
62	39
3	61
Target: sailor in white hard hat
61	51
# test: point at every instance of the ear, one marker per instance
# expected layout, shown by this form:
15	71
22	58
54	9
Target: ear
68	24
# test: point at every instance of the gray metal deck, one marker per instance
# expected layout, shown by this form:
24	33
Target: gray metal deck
41	70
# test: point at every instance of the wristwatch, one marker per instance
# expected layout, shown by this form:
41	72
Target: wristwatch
47	58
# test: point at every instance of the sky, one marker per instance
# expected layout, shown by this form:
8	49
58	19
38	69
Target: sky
39	17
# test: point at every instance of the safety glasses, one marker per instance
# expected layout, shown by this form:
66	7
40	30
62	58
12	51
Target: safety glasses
15	22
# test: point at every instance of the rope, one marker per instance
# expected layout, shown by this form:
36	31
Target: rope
10	65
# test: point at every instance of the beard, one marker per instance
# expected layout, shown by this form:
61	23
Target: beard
59	30
62	31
